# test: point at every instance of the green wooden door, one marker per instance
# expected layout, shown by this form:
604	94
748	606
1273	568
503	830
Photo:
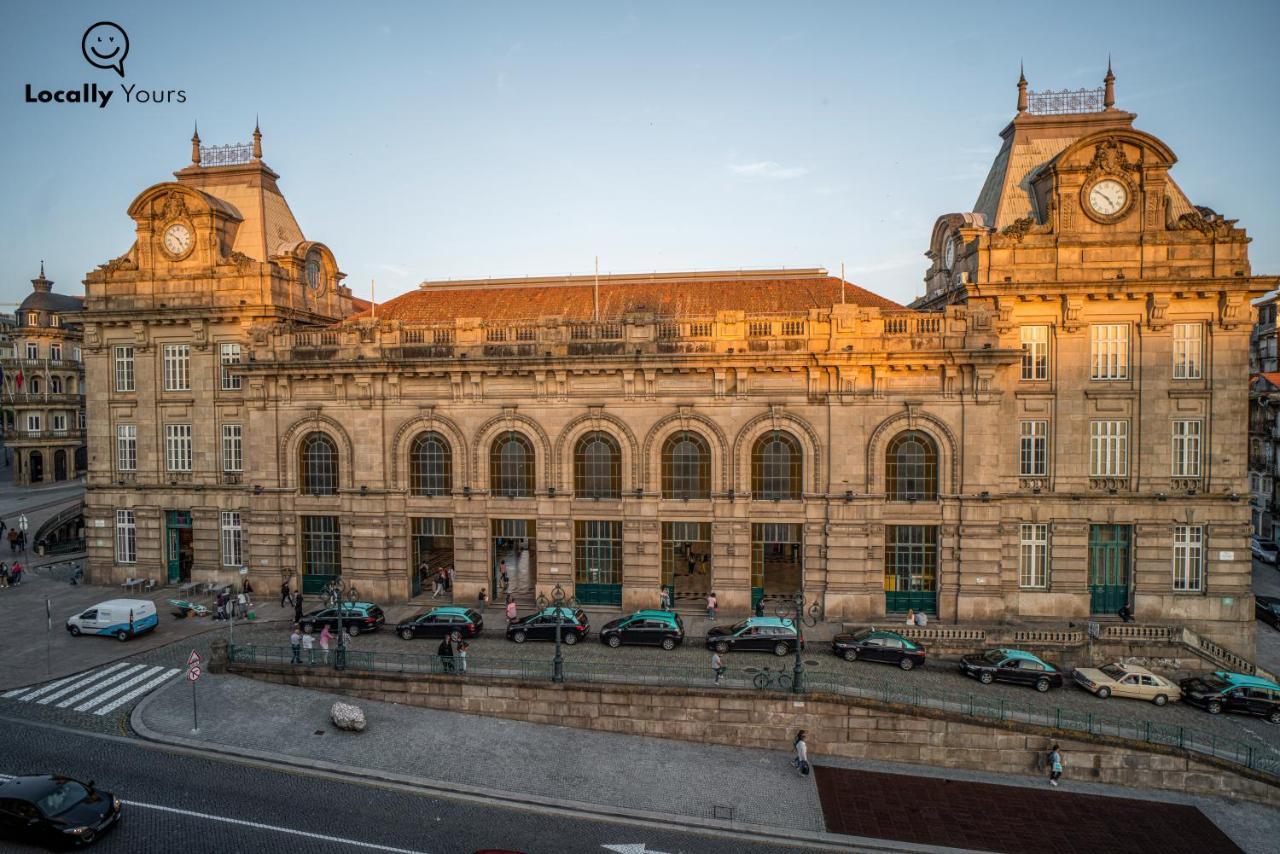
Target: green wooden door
1109	567
178	551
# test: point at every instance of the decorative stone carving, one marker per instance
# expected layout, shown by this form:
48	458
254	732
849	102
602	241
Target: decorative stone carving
1019	228
1206	221
1157	307
173	207
115	265
1109	157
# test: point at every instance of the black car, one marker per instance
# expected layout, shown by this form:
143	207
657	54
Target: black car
54	810
756	634
1011	665
873	645
542	625
357	617
1239	693
645	628
439	622
1267	609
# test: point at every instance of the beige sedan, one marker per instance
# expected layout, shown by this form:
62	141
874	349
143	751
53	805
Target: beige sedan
1126	680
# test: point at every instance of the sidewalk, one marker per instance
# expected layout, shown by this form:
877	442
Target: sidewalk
687	784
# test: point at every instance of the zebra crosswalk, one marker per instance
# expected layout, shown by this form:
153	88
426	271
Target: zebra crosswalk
98	692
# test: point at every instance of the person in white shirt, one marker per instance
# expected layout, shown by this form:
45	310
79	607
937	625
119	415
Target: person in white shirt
802	753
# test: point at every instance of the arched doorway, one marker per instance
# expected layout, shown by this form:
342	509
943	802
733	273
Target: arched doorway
35	466
59	465
82	459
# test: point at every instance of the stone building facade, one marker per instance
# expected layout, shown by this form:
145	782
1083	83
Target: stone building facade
1264	421
42	394
1055	431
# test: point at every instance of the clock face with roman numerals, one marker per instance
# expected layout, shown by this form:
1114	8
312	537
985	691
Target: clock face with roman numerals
178	239
1108	197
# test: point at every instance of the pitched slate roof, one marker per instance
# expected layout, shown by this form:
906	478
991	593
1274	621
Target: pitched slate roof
662	294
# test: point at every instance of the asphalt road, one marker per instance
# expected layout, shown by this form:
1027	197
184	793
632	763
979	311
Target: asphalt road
182	803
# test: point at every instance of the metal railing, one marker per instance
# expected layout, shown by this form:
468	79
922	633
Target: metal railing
1066	101
982	706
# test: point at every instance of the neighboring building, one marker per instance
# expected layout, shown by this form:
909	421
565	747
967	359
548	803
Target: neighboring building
1264	420
42	401
1053	432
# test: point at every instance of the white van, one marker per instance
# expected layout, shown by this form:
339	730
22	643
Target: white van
123	618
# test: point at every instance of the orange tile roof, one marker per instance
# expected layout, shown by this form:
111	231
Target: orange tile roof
360	304
511	300
1272	377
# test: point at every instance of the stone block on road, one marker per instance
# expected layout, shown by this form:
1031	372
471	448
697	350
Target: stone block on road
348	717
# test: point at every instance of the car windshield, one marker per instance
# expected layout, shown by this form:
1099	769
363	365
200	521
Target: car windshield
1115	671
740	626
861	635
994	656
64	795
1216	682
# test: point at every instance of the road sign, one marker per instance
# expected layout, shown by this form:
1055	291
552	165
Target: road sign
194	658
193	672
244	570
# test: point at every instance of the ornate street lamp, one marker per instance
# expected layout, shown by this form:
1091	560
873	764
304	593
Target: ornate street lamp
559	601
794	610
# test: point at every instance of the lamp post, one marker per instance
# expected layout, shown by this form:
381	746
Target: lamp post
340	658
795	611
558	600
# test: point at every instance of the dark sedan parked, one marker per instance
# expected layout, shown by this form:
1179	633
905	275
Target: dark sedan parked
756	634
542	626
52	810
357	617
873	645
1267	609
439	622
1011	665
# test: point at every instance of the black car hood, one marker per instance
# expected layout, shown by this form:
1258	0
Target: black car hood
88	812
976	660
612	624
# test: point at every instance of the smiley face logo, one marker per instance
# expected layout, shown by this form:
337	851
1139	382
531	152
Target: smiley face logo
105	45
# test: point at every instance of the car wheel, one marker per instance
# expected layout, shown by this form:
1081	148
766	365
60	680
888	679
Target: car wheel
1160	699
851	654
1103	693
353	629
122	636
1042	685
781	649
1274	717
407	634
75	631
1214	707
570	639
906	663
668	644
722	647
614	641
986	677
518	637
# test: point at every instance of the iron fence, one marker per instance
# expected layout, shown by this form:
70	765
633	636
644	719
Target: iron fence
983	707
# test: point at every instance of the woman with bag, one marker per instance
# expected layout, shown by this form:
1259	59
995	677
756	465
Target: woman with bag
802	753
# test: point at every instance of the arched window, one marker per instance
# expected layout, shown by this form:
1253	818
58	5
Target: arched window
776	470
686	467
34	385
55	385
911	467
511	466
597	467
430	465
318	465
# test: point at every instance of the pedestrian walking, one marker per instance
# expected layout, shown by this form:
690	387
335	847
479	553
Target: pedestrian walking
245	586
712	604
13	541
463	646
448	579
760	607
504	580
801	760
285	597
665	599
1055	765
242	605
445	651
308	645
295	643
297	607
15	574
483	598
511	610
4	575
439	585
325	637
718	666
220	606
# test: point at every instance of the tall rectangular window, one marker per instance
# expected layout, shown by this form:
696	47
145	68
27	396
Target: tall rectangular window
597	552
1109	351
232	457
321	545
1035	352
1033	559
231	543
1188	343
55	352
1109	448
124	369
33	422
59	422
126	447
1186	448
1188	558
229	354
177	447
1033	459
33	350
126	537
177	367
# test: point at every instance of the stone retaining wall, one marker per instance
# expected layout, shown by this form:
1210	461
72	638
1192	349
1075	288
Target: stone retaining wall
840	726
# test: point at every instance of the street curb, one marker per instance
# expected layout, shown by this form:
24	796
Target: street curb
520	800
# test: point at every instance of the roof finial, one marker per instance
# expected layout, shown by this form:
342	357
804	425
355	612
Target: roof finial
42	268
1109	92
1022	89
195	143
257	140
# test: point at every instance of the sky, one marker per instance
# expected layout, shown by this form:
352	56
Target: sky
436	140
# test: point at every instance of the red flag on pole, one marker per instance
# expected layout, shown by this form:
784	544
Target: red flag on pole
18	378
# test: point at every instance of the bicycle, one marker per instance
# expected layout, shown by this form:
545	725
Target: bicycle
768	678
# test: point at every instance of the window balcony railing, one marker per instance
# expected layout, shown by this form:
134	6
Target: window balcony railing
232	477
1035	484
11	433
1186	484
1109	484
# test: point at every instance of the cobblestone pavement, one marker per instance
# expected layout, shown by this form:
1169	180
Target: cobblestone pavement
1266	582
